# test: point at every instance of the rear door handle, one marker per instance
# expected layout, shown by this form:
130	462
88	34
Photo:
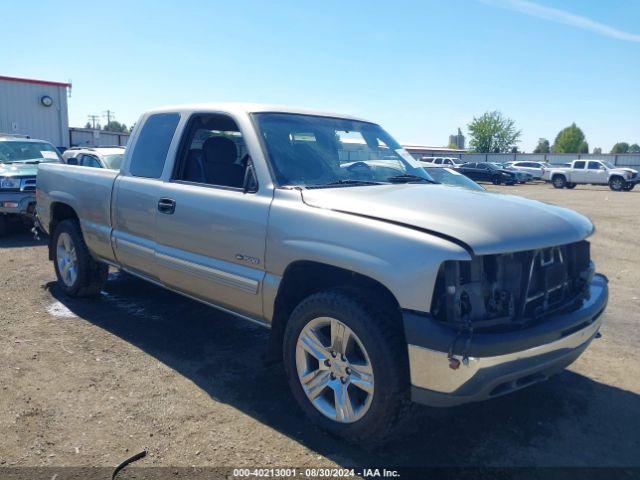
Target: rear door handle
167	206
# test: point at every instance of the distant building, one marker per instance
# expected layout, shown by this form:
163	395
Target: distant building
457	140
419	151
36	108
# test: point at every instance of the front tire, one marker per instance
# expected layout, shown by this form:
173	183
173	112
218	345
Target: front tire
79	275
347	366
559	181
617	184
571	186
496	180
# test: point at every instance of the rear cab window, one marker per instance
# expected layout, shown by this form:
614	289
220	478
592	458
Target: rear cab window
579	164
150	150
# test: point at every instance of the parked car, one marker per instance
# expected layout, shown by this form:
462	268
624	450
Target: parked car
451	162
378	286
487	172
96	157
449	176
536	169
521	177
19	159
595	172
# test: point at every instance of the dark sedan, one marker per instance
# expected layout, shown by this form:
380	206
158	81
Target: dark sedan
487	172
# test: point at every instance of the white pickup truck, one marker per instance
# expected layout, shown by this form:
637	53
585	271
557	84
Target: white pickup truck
595	172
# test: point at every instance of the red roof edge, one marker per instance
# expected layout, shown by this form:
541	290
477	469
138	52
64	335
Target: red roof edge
34	81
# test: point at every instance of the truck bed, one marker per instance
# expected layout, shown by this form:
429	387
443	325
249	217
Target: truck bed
88	191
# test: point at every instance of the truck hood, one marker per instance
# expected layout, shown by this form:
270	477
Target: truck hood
18	169
621	170
486	223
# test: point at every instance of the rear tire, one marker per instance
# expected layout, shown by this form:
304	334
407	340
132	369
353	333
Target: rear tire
617	184
79	275
559	181
3	225
496	180
373	334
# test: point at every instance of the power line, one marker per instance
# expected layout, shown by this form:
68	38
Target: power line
93	119
109	114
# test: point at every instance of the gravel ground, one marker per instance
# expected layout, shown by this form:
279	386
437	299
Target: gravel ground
90	382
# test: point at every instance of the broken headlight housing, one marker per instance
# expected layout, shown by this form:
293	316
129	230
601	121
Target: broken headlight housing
512	290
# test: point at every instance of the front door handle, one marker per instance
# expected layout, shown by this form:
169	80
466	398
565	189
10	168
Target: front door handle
167	206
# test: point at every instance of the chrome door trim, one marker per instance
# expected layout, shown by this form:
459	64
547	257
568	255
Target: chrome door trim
134	248
221	277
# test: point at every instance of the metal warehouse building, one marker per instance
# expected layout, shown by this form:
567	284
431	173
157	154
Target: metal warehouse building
36	108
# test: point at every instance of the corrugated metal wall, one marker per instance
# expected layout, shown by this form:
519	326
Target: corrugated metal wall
96	138
22	113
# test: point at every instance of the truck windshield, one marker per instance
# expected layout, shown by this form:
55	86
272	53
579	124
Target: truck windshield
314	151
15	151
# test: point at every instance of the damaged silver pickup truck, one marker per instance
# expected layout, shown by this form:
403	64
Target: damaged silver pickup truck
379	285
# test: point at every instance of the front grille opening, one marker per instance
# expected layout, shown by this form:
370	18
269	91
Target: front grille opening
503	292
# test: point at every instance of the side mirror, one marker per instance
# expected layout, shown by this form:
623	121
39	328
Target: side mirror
72	161
250	184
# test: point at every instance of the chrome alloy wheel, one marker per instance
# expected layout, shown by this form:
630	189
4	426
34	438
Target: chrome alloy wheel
334	370
67	259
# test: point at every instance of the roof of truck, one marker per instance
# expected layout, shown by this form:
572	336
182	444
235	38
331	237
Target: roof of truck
245	108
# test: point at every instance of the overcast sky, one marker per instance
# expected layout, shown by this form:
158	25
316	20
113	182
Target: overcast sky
420	68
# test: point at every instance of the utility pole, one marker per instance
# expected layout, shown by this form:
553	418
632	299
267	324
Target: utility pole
93	119
109	114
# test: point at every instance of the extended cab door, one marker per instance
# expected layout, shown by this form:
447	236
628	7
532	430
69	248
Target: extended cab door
211	242
597	173
578	172
136	194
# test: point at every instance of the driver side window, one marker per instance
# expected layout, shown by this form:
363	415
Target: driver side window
89	161
212	152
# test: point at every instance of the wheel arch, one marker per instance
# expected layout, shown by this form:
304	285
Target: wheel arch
59	211
303	278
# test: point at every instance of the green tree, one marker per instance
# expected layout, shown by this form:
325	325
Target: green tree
634	148
620	147
570	140
597	150
543	146
87	125
115	126
583	148
493	133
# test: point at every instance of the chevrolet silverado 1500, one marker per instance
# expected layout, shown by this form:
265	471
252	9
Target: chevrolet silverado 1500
595	172
379	286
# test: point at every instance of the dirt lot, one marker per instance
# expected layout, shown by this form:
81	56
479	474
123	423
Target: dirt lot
91	382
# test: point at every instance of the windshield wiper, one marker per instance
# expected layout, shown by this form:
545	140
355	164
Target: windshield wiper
408	178
344	182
